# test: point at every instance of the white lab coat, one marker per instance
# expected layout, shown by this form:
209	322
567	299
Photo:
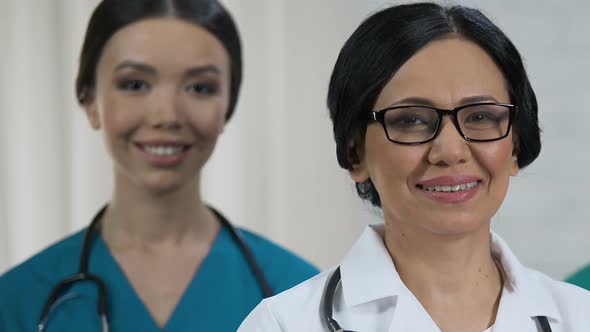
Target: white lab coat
373	298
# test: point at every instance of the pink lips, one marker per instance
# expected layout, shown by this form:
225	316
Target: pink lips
163	161
450	196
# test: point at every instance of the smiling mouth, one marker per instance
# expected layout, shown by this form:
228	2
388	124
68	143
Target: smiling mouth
450	188
164	150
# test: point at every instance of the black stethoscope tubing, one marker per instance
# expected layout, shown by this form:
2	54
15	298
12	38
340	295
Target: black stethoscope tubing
333	325
84	276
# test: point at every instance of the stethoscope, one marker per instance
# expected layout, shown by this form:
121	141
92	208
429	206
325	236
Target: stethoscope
83	275
333	325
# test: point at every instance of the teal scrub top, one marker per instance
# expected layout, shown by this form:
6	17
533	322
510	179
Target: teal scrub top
581	278
222	293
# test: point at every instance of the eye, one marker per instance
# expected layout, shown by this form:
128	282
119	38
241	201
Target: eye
481	117
207	89
411	118
405	121
133	85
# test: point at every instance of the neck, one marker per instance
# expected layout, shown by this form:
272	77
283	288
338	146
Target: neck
137	217
443	270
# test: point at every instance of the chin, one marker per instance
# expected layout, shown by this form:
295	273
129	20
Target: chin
161	188
164	183
457	225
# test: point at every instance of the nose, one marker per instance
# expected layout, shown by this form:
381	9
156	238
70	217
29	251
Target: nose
165	111
449	148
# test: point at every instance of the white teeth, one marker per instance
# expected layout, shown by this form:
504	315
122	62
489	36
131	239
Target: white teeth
458	187
162	150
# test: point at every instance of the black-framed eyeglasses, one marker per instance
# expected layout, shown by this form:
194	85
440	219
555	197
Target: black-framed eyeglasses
478	122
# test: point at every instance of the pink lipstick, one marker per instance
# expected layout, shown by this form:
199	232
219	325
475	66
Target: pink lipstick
450	189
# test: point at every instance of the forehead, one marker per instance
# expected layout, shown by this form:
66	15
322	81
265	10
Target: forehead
167	42
446	71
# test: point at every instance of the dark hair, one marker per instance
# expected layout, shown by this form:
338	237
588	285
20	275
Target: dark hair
386	40
112	15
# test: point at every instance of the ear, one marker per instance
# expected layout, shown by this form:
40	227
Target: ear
514	168
91	110
358	173
358	170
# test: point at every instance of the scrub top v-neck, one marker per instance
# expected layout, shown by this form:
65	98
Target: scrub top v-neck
220	295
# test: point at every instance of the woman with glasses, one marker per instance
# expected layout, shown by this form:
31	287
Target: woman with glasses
433	113
159	79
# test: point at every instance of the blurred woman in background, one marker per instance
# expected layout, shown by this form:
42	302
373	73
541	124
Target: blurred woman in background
160	79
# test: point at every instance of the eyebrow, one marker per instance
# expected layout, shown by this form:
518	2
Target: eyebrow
190	72
139	66
201	70
478	99
429	102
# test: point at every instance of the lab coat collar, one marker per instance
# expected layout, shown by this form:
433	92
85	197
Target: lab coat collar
530	296
368	274
367	270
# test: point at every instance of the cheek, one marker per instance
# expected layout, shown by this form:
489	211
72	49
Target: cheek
119	117
496	158
391	166
207	120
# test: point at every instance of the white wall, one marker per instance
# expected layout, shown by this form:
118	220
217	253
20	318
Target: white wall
275	168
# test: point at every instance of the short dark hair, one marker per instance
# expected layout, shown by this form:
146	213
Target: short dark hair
112	15
386	40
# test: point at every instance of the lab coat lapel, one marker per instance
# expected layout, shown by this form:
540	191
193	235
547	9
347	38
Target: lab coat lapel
411	316
369	276
524	296
513	315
